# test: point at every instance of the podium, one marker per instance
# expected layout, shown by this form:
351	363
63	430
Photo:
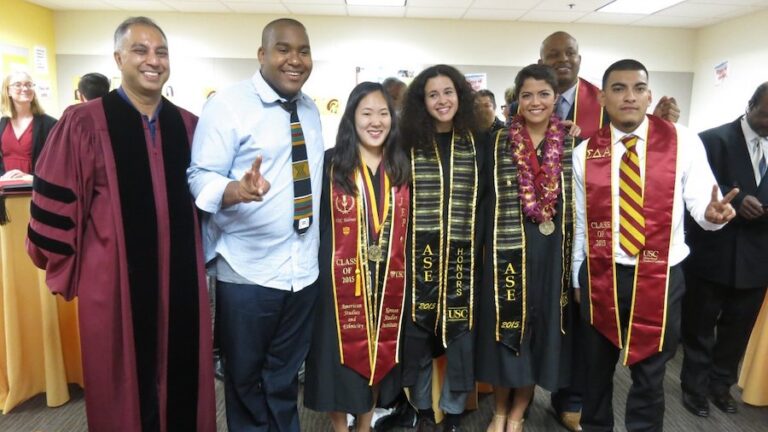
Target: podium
39	337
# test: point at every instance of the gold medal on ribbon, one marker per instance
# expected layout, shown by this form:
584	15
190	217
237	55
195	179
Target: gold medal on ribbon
375	254
547	227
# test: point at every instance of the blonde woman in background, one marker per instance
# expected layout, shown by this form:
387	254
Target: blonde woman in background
23	127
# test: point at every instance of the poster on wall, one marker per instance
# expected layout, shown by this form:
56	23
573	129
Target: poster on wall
13	59
721	72
478	81
43	89
40	59
328	106
380	73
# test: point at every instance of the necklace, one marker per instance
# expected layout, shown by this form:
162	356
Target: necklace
538	206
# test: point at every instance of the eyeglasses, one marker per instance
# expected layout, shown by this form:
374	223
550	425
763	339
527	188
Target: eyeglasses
20	85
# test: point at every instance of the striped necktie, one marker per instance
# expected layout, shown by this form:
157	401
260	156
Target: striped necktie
302	183
631	219
762	164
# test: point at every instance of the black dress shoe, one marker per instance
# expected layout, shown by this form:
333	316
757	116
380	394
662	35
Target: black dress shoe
697	405
725	403
426	425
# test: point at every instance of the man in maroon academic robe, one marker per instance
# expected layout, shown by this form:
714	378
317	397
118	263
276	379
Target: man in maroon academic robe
113	223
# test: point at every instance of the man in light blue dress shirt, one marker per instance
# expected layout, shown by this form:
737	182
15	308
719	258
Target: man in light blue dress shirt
241	177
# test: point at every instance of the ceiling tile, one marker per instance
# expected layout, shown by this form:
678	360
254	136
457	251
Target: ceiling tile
441	13
673	21
197	6
439	3
317	9
265	8
316	2
494	14
376	11
504	4
140	5
564	5
702	10
731	2
552	16
609	18
74	4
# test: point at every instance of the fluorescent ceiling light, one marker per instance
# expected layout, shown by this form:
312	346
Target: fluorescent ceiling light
399	3
645	7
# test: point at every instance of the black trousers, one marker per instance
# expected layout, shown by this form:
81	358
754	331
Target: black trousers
265	337
717	323
645	401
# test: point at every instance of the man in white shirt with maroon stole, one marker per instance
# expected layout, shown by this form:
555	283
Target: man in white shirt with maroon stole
631	180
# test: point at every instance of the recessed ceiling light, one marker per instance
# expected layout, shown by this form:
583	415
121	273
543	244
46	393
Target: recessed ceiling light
645	7
399	3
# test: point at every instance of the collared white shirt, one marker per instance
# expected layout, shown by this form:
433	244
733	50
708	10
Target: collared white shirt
756	145
257	239
693	187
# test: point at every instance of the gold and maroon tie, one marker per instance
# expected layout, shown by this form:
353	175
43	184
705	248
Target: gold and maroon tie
631	220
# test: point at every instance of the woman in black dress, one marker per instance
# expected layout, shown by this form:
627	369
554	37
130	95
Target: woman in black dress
523	303
365	209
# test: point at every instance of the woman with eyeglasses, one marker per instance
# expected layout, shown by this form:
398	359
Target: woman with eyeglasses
23	127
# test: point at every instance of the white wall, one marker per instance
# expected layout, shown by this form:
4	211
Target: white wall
741	42
339	44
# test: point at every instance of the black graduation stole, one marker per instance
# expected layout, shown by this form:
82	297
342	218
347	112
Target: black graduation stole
508	243
443	255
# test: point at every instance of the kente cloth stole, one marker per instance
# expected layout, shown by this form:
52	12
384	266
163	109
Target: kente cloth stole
509	244
587	112
302	182
443	255
369	308
645	335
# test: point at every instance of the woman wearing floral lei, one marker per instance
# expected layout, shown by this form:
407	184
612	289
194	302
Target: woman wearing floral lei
523	318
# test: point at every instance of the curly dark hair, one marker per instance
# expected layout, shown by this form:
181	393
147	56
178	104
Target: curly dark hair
417	126
346	154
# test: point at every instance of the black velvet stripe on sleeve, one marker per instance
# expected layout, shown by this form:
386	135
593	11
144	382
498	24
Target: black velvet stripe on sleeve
53	191
49	244
184	302
51	219
137	203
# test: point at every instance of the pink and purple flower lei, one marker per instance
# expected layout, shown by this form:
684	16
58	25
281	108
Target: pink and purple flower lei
539	208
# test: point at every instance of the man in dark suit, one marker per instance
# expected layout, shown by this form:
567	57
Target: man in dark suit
726	272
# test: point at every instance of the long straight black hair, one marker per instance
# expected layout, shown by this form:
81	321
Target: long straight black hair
346	154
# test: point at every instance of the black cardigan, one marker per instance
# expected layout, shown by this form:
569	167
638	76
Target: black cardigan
41	126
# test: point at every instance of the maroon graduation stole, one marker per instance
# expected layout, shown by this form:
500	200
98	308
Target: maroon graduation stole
368	328
645	335
587	112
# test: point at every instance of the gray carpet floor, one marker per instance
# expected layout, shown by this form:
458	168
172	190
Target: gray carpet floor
34	416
